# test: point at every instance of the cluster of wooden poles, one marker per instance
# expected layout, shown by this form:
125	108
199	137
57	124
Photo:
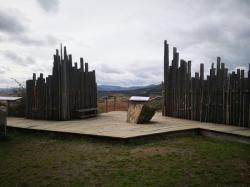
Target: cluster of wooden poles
60	95
222	97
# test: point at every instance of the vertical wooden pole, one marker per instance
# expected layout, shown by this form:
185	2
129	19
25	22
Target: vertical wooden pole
166	72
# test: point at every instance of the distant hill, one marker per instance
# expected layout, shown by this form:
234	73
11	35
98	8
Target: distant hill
149	90
146	91
110	89
8	91
120	88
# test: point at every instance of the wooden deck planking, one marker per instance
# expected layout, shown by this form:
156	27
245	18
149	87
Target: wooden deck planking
114	124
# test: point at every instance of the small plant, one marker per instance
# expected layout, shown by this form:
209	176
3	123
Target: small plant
20	89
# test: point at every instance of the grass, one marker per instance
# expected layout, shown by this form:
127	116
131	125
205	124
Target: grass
44	160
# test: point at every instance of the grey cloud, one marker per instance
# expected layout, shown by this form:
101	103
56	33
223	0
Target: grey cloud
10	23
41	69
223	36
108	69
150	72
143	66
2	71
49	5
24	39
211	29
143	72
14	30
201	30
19	60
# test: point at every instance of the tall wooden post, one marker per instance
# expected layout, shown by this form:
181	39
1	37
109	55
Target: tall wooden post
222	97
166	69
61	94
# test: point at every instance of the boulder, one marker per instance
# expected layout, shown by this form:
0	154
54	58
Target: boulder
3	121
140	113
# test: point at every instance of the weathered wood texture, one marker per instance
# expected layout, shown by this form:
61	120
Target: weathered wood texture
60	95
3	121
140	113
222	97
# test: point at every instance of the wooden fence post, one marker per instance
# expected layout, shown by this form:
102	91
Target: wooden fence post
220	98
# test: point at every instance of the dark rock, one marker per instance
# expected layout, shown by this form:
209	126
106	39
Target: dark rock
140	113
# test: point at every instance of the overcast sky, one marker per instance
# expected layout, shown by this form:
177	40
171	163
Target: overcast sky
121	39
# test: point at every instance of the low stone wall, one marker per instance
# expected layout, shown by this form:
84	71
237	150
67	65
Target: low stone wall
3	121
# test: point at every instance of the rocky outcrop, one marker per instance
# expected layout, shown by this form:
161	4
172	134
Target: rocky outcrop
140	113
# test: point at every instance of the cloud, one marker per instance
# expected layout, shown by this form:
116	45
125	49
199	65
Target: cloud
125	38
223	31
15	31
143	72
5	82
49	5
108	69
2	71
5	68
19	60
10	23
24	39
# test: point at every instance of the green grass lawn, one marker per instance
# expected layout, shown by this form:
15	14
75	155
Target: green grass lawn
39	160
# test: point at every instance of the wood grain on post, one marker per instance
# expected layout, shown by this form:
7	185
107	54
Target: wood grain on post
60	95
222	97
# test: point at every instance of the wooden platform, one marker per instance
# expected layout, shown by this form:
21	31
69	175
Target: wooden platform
114	125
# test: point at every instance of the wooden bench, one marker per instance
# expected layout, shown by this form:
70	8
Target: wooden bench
86	113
